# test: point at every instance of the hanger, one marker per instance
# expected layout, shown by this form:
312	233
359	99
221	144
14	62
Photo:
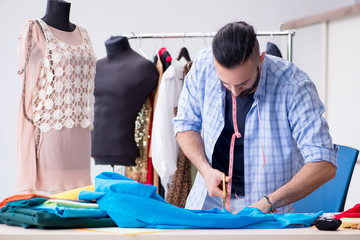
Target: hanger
184	52
204	41
139	49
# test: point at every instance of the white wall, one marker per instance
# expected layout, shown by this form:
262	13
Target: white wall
112	17
343	82
307	45
343	91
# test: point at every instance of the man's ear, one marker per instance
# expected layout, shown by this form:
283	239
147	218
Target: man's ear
262	57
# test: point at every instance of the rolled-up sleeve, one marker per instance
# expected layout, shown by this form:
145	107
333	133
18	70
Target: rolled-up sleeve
309	129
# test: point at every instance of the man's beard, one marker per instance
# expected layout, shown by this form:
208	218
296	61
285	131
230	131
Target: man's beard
254	86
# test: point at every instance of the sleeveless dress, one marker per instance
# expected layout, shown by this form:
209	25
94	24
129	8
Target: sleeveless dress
56	110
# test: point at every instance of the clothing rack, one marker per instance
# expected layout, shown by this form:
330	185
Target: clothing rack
288	33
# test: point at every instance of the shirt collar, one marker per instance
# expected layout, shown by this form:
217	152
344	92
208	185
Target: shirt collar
260	90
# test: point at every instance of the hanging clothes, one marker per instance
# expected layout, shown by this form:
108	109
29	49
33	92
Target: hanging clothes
165	149
159	67
131	204
181	183
272	49
164	57
56	111
142	171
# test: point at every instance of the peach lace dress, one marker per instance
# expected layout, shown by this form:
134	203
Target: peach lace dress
56	110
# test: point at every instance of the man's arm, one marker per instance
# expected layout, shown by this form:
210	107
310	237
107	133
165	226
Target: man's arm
193	146
310	177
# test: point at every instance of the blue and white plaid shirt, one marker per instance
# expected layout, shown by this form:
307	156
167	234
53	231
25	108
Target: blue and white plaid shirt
293	130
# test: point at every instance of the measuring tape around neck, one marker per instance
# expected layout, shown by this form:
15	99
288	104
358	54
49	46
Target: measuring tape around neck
237	134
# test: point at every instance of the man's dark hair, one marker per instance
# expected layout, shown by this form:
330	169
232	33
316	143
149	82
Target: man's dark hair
233	44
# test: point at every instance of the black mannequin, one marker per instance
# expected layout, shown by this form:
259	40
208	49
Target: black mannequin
57	15
123	81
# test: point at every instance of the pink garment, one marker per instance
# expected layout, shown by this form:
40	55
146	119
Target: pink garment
63	155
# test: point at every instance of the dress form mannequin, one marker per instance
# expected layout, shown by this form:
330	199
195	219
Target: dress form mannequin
54	142
123	81
57	15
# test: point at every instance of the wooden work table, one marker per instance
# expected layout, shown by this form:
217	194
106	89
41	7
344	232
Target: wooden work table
18	233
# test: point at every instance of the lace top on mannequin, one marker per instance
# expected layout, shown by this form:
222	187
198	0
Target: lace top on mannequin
63	96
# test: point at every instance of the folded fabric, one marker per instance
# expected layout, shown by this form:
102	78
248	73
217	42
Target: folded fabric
27	218
71	212
350	222
20	197
71	203
353	212
132	204
23	203
72	194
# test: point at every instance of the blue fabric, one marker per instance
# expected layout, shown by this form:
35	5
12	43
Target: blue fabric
70	212
133	205
293	130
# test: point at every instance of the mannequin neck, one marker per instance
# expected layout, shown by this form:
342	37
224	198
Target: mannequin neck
57	15
116	45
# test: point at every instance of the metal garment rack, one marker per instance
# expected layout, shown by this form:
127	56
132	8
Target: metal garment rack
288	33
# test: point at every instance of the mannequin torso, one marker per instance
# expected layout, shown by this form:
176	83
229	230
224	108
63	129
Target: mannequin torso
123	81
57	15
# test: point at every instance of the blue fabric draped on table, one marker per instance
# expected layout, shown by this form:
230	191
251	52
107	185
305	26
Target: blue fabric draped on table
133	205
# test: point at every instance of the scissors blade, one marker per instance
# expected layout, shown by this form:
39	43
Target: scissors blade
224	192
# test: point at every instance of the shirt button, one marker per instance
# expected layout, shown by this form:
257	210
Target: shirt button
211	141
221	119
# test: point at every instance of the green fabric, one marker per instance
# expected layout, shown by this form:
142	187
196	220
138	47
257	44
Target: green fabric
33	218
23	203
69	203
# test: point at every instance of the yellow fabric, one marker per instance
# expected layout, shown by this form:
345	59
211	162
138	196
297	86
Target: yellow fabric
348	222
72	194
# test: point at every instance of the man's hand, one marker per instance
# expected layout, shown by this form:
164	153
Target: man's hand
262	205
213	179
310	177
193	146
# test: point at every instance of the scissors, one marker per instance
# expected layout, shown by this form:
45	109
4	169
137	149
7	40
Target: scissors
224	192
